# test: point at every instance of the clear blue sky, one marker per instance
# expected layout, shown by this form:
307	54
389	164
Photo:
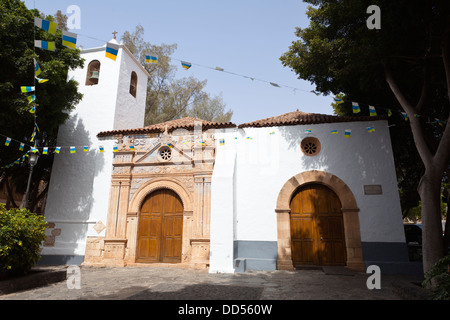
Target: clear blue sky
242	36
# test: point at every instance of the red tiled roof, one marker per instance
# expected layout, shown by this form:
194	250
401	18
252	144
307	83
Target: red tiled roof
299	117
184	123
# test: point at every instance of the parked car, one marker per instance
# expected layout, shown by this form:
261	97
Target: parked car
413	233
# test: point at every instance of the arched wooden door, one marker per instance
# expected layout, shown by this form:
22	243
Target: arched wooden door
317	229
160	230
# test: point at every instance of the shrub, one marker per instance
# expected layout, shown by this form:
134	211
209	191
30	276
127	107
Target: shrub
438	279
21	233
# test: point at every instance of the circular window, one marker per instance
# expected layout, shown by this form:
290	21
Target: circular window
310	146
165	153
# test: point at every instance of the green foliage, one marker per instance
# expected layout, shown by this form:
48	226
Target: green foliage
55	98
21	233
438	279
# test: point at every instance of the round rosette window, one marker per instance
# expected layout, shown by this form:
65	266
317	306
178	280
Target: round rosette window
165	153
310	146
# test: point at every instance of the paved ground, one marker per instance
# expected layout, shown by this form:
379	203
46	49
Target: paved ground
163	283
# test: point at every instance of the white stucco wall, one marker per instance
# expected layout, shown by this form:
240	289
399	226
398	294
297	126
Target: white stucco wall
80	183
130	111
265	162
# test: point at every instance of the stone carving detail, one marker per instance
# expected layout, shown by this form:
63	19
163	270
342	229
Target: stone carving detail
99	227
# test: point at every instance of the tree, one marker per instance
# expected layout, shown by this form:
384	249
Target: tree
169	98
403	66
55	98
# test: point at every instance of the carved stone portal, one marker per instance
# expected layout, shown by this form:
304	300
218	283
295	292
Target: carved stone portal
142	165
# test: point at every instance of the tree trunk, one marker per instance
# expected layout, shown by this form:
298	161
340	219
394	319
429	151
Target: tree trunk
432	241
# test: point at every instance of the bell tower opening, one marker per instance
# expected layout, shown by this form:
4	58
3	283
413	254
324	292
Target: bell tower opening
93	73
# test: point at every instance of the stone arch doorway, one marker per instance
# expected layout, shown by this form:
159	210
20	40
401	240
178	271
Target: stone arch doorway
138	201
350	216
317	230
160	228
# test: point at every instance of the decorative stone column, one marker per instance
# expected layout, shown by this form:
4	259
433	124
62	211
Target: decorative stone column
115	239
284	261
200	241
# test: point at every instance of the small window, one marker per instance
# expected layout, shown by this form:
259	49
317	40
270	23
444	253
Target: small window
93	73
310	146
165	153
133	84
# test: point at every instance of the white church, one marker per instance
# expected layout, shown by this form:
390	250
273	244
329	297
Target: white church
280	193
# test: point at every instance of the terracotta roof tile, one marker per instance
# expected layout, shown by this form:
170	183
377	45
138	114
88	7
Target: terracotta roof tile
183	123
299	117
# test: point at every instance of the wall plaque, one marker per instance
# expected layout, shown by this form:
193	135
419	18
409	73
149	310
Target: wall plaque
373	189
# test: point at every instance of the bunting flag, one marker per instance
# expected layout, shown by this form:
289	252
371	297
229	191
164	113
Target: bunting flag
405	115
338	100
27	89
308	131
31	98
45	150
389	112
186	65
440	122
46	25
86	149
316	93
102	149
46	45
115	149
32	110
334	132
355	107
41	80
272	133
370	129
37	69
222	142
69	39
348	133
372	111
112	50
73	150
132	148
22	146
8	142
151	59
58	150
34	150
220	69
274	84
249	138
33	135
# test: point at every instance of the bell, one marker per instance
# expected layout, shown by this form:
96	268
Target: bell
95	75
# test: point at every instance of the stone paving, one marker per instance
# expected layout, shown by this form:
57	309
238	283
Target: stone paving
168	283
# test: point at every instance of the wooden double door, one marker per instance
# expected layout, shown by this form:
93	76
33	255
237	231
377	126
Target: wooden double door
160	230
317	229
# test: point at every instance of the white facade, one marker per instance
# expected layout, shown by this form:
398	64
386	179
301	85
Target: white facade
254	164
80	183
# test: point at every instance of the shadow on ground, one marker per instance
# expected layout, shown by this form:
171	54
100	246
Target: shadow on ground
190	292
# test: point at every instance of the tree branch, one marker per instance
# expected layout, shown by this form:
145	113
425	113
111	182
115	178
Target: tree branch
418	134
442	155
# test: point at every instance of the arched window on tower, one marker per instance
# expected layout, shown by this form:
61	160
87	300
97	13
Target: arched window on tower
133	84
93	73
